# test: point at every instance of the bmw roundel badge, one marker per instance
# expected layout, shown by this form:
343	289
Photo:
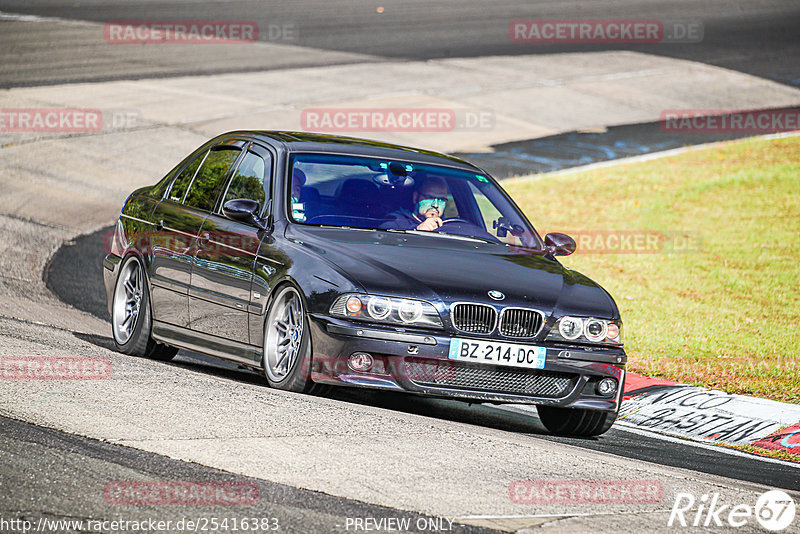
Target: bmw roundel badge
496	295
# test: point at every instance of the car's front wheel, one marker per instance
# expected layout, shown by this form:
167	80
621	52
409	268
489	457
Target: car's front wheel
575	421
131	320
287	344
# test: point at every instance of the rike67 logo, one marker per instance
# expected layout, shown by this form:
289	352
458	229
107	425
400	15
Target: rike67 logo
774	510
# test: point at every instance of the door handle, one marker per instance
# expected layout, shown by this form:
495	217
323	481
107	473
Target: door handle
160	225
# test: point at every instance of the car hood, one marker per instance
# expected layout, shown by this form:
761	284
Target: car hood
444	270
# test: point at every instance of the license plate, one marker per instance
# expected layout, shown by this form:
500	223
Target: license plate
497	353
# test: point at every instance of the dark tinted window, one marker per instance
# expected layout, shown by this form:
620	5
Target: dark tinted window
366	192
210	178
248	180
182	182
160	188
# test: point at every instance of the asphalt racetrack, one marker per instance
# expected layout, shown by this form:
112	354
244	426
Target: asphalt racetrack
58	475
758	38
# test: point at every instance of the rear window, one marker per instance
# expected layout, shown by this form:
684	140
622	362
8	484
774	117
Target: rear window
210	178
181	184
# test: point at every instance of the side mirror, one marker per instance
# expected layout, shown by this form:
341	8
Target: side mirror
244	210
559	244
503	227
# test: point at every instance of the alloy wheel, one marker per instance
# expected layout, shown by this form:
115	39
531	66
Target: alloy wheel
283	335
127	301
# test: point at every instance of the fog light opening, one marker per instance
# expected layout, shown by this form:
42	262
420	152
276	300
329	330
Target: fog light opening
360	362
607	386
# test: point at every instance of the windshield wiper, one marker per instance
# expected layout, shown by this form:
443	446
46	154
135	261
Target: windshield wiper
442	234
454	236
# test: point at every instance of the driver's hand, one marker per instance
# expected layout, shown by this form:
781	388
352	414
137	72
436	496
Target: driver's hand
430	224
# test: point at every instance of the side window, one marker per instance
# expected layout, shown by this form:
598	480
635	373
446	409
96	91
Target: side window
491	216
248	180
489	213
182	182
210	178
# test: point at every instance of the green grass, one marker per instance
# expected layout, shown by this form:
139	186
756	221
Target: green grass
725	315
781	455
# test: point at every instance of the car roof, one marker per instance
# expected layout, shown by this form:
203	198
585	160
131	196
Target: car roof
314	142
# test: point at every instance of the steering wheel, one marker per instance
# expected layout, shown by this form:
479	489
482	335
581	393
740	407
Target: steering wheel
455	220
469	229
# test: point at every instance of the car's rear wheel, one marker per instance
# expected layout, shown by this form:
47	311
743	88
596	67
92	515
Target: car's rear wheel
131	320
575	421
287	343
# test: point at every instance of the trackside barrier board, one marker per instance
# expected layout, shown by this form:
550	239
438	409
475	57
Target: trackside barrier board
708	415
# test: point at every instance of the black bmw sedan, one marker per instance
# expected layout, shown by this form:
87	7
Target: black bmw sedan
323	260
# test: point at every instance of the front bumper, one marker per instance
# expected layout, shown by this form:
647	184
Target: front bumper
417	362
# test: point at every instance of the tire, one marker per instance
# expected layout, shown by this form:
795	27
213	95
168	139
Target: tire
163	353
575	421
286	357
131	320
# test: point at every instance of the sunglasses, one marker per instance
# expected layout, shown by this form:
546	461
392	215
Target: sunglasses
432	197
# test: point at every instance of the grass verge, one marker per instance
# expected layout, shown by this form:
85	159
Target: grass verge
709	284
780	455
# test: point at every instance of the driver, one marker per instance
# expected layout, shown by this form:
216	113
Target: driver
429	201
298	181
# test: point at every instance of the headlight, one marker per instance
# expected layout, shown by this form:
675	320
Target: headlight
382	309
570	328
587	329
410	311
595	330
379	307
353	305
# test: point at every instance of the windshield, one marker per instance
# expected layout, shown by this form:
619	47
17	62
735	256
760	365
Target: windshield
360	192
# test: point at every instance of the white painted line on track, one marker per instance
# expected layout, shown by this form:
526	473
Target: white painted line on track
555	516
20	17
